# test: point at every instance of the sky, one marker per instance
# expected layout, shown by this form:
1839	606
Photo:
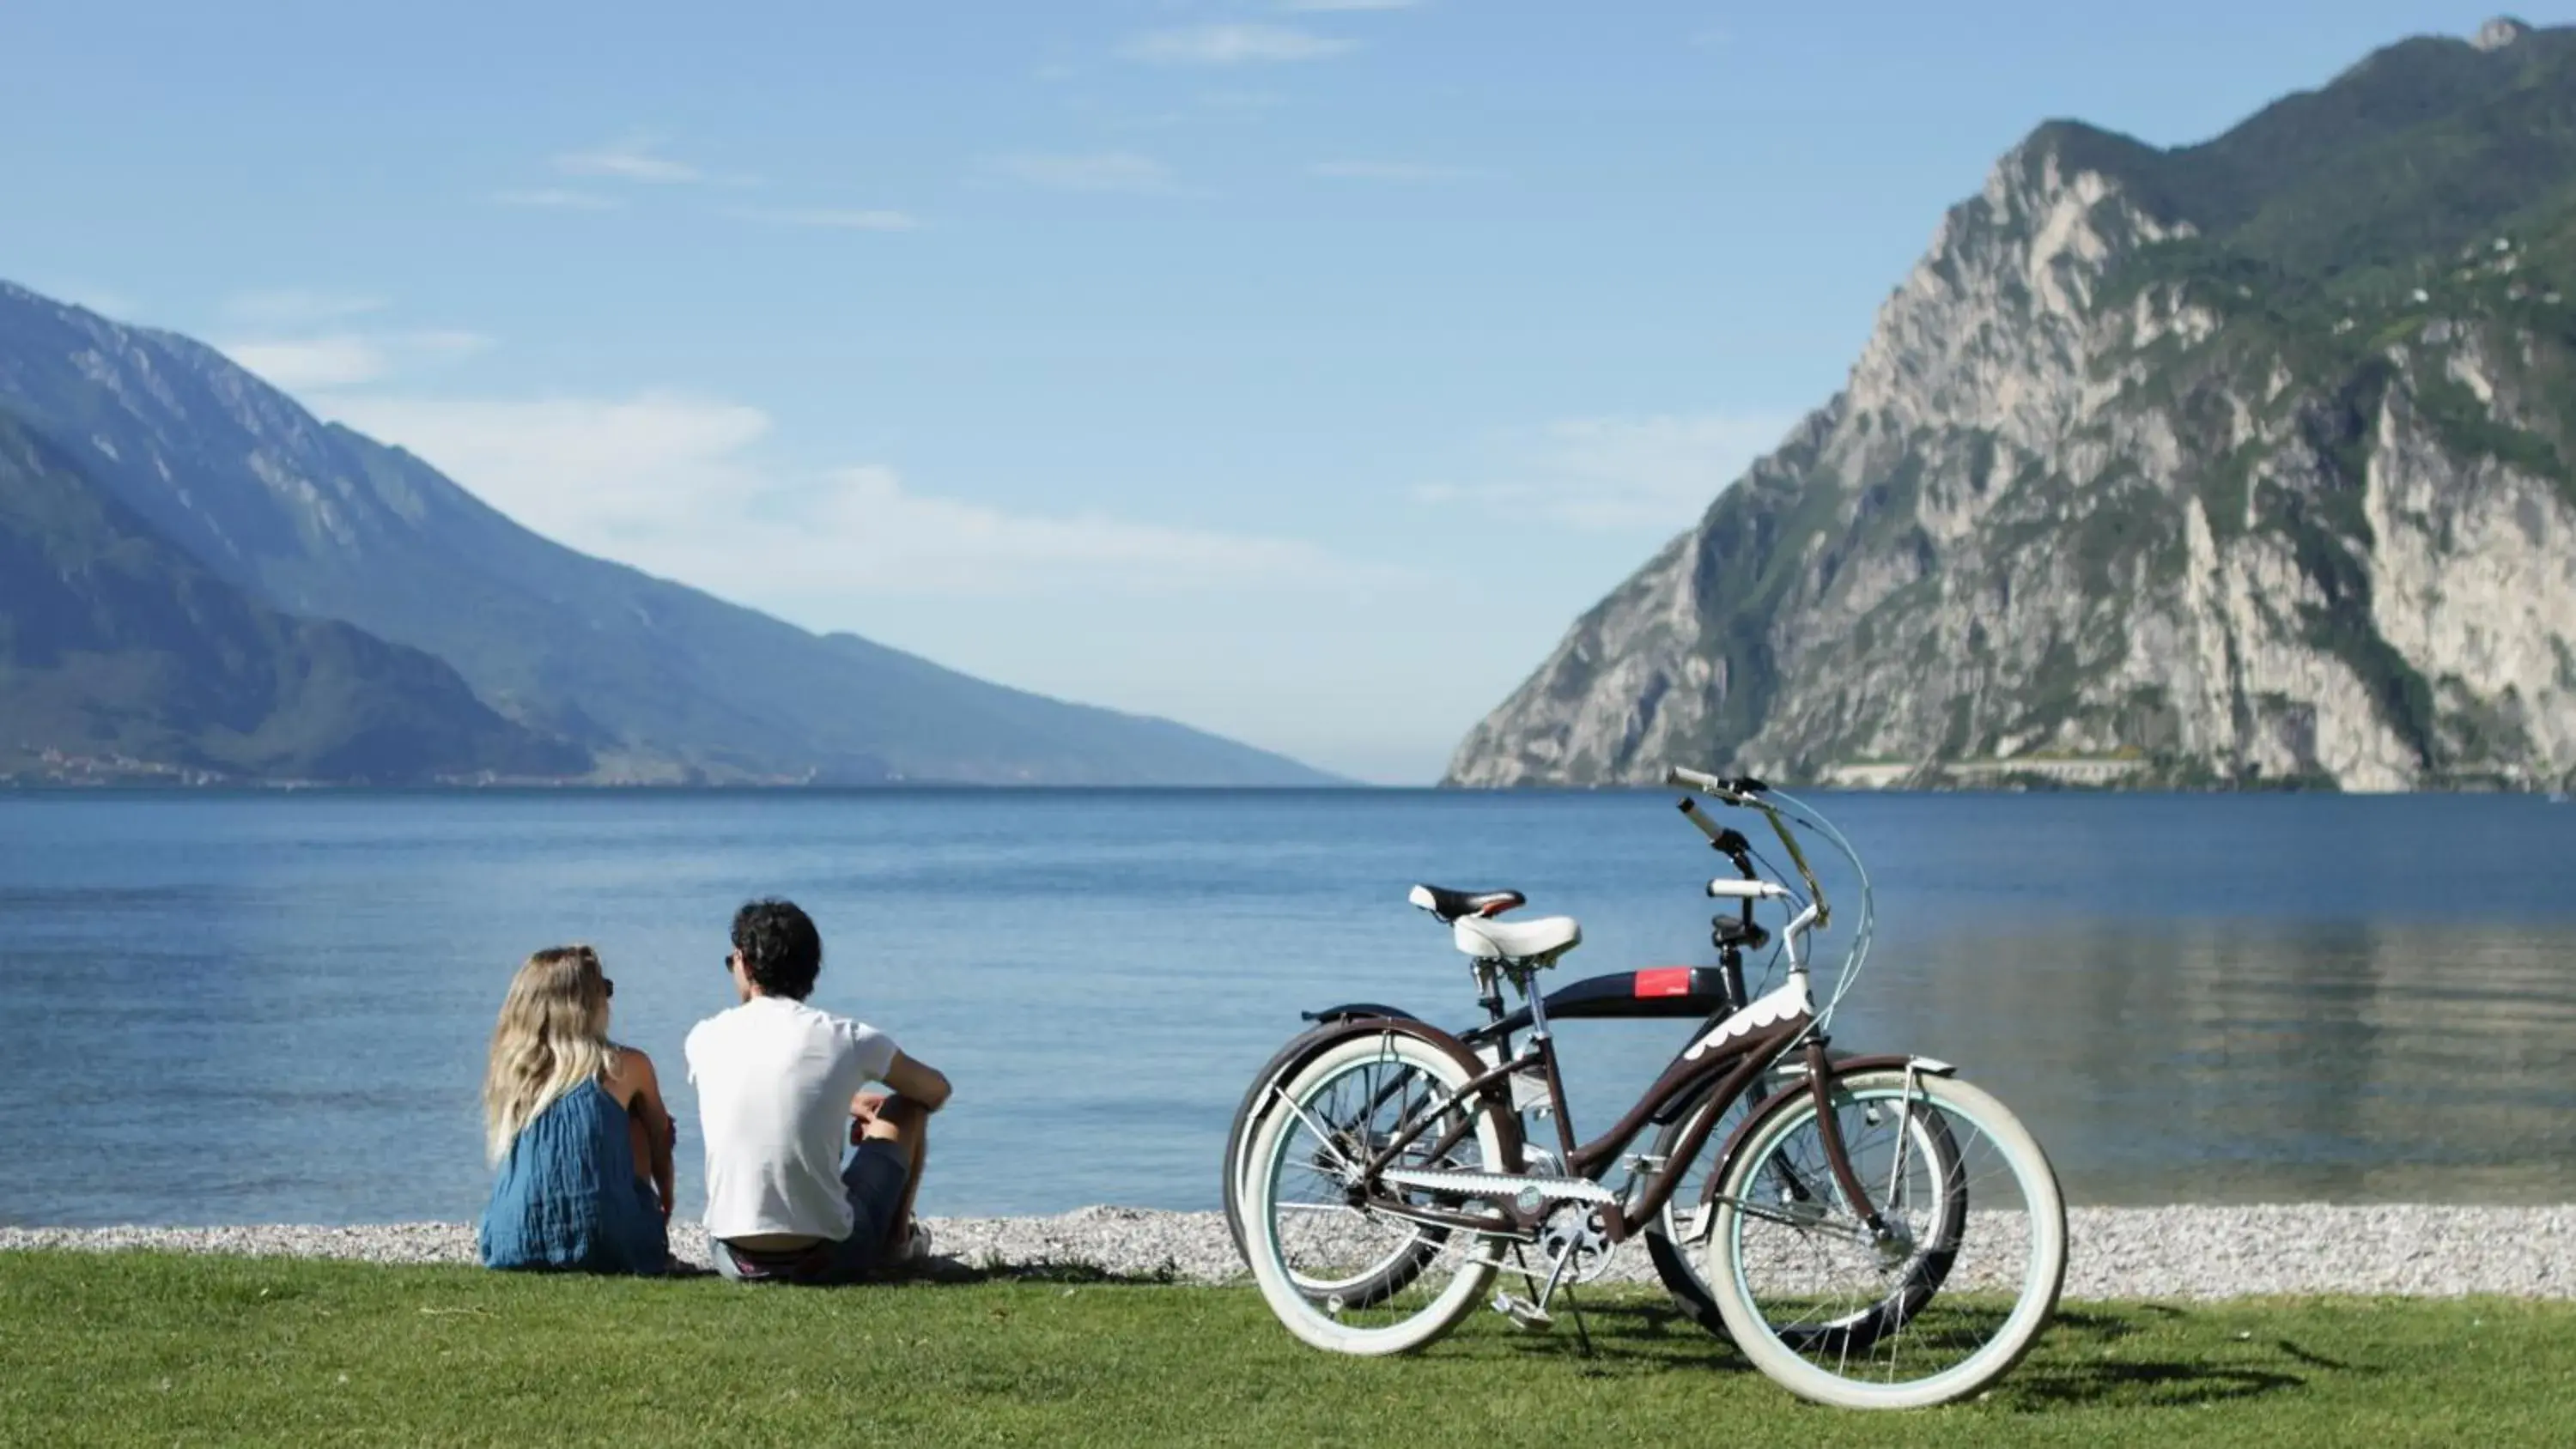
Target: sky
1299	369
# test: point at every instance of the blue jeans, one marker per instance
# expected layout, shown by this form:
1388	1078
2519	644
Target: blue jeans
874	1178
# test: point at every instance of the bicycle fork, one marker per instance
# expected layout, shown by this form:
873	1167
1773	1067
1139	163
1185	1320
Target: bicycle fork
1838	1161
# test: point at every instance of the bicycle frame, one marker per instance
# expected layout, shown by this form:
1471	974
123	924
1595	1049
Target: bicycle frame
1732	1056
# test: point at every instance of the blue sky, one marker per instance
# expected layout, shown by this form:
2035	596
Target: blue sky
1299	370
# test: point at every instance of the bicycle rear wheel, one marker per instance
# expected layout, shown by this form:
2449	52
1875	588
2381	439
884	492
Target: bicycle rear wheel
1986	1226
1257	1101
1335	1267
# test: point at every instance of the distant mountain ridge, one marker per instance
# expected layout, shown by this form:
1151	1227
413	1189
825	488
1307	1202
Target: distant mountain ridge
119	654
651	681
2240	463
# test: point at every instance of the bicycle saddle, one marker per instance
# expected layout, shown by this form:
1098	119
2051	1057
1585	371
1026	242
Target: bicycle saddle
1539	942
1450	906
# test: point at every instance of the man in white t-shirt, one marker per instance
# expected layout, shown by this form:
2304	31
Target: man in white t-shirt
781	1089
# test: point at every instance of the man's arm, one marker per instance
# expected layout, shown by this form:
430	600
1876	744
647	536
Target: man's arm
912	1082
917	1082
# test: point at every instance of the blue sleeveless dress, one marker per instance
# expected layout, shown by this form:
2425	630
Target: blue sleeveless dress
567	1197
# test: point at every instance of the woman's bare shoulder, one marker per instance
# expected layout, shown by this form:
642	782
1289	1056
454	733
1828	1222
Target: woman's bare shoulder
631	1069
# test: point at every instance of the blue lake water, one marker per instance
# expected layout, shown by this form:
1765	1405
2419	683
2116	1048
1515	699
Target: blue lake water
249	1008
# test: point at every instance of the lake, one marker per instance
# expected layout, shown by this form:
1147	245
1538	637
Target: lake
233	1008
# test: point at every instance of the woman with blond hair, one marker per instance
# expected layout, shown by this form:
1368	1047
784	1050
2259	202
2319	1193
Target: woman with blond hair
576	1128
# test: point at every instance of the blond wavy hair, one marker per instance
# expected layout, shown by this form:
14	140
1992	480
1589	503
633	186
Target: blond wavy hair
552	1037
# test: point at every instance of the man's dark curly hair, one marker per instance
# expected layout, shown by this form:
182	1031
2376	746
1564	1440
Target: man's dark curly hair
781	950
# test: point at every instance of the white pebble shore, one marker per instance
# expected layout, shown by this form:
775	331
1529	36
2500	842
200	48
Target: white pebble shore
2167	1252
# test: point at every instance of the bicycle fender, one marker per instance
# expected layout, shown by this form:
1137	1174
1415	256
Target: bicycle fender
1781	1102
1325	1037
1883	1062
1351	1010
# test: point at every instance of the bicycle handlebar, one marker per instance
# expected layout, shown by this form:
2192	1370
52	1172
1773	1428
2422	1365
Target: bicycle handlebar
1778	810
1744	790
1715	832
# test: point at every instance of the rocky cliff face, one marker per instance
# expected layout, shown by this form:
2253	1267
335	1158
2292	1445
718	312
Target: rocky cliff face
2129	487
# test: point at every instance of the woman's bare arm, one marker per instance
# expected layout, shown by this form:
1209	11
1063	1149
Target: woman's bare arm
641	1090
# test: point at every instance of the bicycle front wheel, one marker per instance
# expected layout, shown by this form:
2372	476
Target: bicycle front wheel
1983	1222
1676	1237
1338	1269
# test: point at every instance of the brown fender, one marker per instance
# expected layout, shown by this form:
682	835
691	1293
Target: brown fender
1324	1038
1843	1067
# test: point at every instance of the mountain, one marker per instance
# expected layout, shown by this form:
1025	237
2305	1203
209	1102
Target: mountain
2238	463
120	655
652	680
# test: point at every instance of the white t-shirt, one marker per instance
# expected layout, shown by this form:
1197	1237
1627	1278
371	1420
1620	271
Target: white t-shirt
774	1079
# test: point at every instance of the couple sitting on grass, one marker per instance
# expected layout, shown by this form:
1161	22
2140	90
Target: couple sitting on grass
583	1144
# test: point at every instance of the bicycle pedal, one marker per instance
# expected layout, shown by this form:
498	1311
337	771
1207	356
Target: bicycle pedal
1523	1312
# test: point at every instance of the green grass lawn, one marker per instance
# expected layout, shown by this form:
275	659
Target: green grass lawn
133	1349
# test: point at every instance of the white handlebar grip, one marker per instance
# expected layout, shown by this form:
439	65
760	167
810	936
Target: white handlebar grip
1746	890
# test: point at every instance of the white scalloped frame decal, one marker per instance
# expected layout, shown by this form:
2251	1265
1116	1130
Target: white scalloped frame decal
1790	1000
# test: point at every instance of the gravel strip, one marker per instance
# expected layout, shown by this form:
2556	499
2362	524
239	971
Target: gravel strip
2171	1252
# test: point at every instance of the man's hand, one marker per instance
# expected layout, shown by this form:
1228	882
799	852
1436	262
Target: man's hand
865	1108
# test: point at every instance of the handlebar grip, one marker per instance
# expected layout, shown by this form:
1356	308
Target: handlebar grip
1676	776
1710	828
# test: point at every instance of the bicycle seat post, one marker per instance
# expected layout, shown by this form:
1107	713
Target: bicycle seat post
1525	978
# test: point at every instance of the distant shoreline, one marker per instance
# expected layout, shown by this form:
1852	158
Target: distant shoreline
265	789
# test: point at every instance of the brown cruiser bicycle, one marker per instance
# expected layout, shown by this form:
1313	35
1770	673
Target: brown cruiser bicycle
1884	1236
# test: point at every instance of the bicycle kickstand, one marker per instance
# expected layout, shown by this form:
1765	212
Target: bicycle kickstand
1582	1335
1532	1313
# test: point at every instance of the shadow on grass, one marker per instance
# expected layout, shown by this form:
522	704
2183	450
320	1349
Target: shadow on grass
956	1273
2076	1363
952	1272
2044	1387
2082	1359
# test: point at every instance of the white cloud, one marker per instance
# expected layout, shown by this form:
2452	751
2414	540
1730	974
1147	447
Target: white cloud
1648	472
1339	7
348	359
557	198
1411	172
637	158
1092	171
1233	45
669	483
833	218
310	362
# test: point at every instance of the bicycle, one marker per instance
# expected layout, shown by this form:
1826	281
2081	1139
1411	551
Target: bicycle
1834	1217
1705	994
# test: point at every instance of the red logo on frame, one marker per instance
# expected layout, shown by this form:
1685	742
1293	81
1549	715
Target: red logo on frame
1664	981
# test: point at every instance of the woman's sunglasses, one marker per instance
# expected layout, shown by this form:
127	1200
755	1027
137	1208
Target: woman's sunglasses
607	988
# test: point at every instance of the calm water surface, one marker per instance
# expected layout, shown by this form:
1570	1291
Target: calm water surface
274	1008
